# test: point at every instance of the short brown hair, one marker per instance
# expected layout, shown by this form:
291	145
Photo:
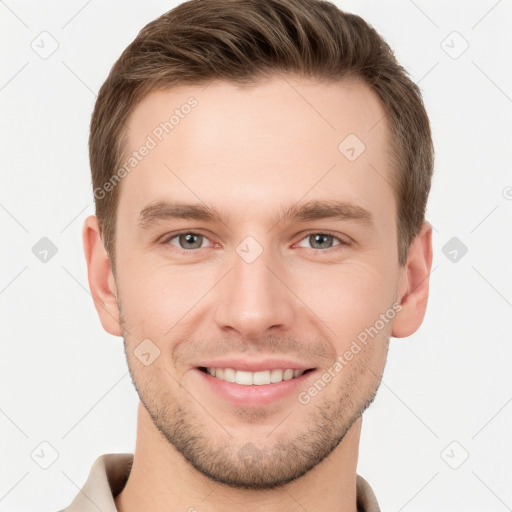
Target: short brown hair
241	41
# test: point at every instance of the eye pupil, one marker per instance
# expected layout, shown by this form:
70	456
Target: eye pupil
187	241
325	241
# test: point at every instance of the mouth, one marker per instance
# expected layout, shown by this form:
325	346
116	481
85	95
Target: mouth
258	378
250	382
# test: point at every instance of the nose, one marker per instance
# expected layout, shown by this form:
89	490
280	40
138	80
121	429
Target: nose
254	299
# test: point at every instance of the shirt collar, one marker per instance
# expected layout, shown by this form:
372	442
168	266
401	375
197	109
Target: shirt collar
109	474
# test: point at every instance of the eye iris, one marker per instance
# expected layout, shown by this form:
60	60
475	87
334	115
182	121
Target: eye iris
193	241
187	241
321	240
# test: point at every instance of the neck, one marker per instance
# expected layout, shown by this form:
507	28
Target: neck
161	479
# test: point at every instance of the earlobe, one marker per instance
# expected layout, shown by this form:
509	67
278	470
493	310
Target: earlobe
100	276
414	285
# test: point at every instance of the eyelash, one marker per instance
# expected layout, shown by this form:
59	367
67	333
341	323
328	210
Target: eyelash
341	241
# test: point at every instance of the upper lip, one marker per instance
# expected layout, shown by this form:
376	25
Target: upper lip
255	365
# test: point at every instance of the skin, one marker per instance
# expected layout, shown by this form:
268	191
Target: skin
250	152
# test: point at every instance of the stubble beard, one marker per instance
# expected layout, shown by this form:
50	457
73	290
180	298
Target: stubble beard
238	463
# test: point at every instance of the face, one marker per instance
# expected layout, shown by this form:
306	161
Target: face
256	244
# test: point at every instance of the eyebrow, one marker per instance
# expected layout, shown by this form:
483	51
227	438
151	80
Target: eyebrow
299	212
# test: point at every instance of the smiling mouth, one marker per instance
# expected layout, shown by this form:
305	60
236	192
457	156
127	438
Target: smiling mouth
260	378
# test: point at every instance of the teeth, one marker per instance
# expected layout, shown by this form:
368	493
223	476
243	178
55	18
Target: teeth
276	375
229	375
254	378
261	378
244	378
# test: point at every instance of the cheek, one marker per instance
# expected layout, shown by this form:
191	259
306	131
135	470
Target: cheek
158	296
347	298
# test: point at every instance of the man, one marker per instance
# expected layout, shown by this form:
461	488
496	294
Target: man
261	171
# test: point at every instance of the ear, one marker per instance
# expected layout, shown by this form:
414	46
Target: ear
414	284
101	278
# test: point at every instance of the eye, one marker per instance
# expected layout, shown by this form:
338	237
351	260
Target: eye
187	240
322	241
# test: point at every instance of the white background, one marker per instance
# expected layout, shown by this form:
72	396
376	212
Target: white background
65	381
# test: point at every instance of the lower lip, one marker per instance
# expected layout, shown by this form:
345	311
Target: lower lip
254	395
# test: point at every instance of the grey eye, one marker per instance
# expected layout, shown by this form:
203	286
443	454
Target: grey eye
321	241
189	240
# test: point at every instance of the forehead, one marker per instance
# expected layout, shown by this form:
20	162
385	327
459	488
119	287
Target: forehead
277	141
